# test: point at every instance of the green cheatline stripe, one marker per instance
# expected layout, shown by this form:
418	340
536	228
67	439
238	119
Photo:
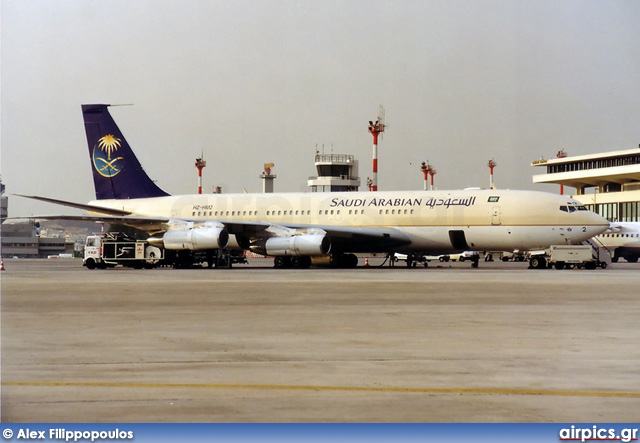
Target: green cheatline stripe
495	391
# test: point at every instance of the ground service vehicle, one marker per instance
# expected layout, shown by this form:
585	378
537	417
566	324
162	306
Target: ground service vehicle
113	248
570	256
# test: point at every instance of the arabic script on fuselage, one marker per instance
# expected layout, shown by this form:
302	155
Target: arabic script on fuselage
432	202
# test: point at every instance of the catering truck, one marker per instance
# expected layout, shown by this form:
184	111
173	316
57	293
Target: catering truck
114	248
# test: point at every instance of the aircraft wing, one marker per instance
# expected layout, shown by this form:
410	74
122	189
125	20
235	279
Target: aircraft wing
343	238
121	220
92	208
624	227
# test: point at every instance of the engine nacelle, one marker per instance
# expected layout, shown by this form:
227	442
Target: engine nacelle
195	239
296	245
237	242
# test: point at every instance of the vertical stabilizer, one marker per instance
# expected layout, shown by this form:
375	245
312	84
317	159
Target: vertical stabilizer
117	173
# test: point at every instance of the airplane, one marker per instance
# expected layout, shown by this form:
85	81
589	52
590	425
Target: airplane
622	240
294	227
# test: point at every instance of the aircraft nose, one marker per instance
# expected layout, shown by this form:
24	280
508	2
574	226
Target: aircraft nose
595	223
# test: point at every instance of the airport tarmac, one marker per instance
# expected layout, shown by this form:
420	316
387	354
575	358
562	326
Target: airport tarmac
501	343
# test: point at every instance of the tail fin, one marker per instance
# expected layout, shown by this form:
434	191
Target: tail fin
117	173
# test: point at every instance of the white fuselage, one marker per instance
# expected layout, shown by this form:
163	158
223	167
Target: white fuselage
489	219
624	235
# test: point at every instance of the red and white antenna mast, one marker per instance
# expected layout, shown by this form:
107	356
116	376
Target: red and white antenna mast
376	128
200	163
492	164
432	172
425	168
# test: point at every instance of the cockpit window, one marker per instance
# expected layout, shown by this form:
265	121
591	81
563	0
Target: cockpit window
573	207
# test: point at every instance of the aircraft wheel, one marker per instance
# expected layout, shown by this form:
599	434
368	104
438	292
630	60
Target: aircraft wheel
281	262
301	262
349	261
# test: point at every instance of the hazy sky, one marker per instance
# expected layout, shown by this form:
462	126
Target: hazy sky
251	82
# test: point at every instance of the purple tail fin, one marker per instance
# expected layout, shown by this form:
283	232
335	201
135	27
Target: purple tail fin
117	173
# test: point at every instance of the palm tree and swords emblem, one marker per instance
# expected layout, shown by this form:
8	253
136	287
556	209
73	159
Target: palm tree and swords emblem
108	145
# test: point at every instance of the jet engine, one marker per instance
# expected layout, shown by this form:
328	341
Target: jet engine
296	245
195	239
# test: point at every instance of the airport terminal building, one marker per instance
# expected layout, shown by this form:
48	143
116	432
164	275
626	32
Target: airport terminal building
607	183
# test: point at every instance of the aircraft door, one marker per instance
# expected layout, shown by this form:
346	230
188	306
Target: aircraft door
495	216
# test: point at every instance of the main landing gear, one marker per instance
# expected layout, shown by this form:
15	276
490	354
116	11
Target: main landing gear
283	262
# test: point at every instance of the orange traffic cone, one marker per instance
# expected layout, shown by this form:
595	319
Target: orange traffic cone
366	261
1	265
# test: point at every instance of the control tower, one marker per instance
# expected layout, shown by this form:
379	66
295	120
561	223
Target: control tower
267	178
336	173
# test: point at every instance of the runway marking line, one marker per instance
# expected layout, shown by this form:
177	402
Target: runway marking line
495	391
